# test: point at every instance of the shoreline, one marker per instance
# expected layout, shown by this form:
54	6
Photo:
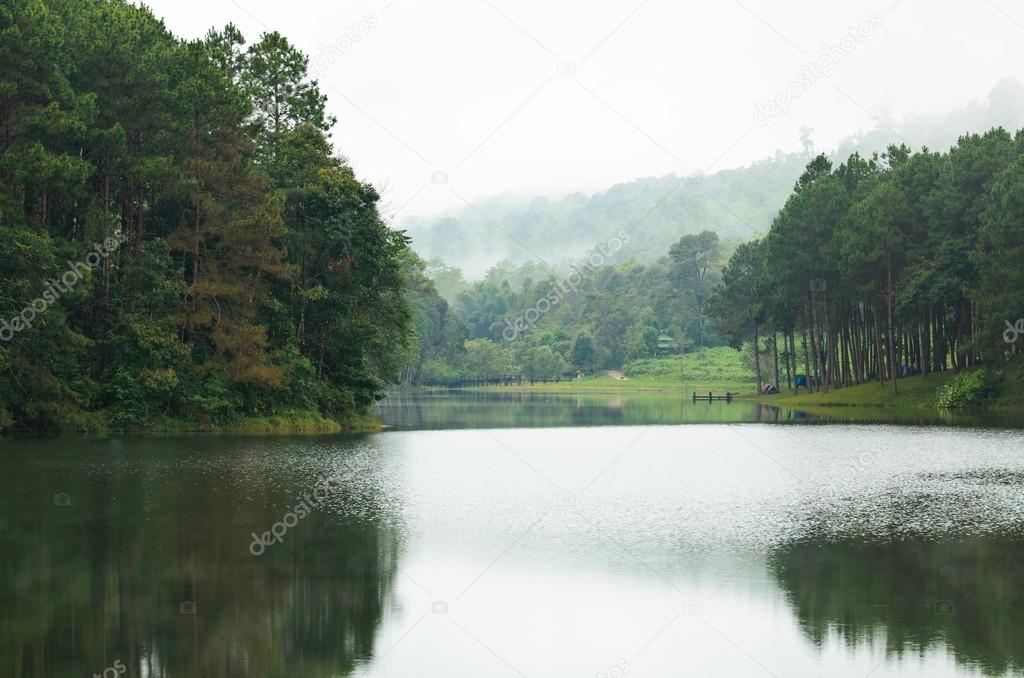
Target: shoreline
275	425
915	395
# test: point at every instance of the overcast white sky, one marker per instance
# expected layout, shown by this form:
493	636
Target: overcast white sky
472	88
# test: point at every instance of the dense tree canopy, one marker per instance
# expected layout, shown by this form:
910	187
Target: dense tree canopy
882	267
243	269
545	322
904	263
180	243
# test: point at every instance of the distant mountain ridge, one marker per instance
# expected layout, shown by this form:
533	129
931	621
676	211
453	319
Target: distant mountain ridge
738	204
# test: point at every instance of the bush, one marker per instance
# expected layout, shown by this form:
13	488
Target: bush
540	362
968	389
437	370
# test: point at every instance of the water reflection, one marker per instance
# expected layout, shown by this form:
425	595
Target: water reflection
143	557
481	409
966	598
820	551
442	410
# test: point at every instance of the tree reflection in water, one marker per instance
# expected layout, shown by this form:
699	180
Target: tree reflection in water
968	597
149	564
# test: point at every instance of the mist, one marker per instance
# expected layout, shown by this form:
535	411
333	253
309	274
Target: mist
443	103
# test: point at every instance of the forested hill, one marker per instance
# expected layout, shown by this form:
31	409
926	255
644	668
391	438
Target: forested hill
738	204
179	244
654	212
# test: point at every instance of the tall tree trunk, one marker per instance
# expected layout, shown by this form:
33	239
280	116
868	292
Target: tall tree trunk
892	332
830	348
44	221
140	226
815	348
775	352
807	360
857	346
879	363
757	356
191	309
844	355
787	351
923	329
106	226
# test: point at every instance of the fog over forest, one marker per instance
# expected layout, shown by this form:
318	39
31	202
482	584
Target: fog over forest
469	338
736	203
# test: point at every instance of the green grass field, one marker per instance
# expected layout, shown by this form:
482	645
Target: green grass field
723	369
717	369
913	393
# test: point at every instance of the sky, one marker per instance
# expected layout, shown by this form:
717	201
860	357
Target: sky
442	103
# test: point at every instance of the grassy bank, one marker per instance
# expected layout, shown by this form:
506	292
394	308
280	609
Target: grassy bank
913	393
717	369
288	423
305	423
1005	393
722	369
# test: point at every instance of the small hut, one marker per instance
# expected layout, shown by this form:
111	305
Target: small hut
667	344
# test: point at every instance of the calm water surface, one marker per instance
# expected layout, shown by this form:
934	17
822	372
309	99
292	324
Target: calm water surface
512	537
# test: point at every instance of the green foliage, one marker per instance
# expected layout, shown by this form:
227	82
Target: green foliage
485	358
708	365
447	279
540	362
583	354
881	268
967	389
250	275
592	317
439	371
1000	254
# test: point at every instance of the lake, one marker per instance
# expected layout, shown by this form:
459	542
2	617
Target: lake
531	536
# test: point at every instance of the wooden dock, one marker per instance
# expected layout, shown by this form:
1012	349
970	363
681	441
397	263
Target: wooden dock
727	397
